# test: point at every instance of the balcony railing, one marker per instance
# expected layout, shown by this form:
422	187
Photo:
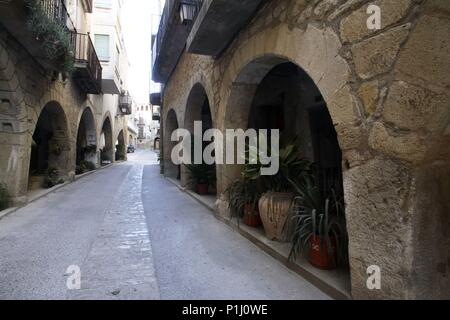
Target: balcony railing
57	11
88	72
125	104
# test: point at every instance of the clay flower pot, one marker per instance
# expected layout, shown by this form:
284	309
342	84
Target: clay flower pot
202	188
274	211
251	216
320	255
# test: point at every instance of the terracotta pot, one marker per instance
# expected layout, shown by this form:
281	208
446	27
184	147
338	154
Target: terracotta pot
251	216
319	254
202	188
274	211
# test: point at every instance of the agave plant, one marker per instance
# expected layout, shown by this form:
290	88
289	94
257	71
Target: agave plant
314	215
241	193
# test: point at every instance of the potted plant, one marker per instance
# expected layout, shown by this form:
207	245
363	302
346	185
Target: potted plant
202	176
243	197
275	204
52	178
319	227
90	149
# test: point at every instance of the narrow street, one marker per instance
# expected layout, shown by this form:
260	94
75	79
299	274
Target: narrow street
134	235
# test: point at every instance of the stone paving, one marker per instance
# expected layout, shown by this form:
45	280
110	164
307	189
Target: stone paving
120	262
134	235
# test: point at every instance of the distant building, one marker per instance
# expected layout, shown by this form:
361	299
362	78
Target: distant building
64	102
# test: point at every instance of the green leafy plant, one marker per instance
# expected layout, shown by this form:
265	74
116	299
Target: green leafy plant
55	38
201	173
90	149
241	193
121	152
293	167
314	215
85	166
52	178
4	197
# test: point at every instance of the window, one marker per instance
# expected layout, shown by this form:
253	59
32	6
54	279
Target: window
146	108
102	46
107	4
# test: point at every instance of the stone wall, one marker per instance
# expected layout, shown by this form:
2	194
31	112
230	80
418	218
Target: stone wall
25	89
387	93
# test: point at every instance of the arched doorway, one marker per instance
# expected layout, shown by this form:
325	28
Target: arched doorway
198	109
274	93
287	99
87	139
106	143
121	150
171	124
156	144
50	148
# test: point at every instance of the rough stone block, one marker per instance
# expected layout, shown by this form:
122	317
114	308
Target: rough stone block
377	55
354	27
414	108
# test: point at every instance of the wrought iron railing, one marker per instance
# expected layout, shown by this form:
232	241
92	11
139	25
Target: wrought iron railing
84	53
57	11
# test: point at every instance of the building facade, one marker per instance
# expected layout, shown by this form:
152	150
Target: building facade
57	109
149	124
372	106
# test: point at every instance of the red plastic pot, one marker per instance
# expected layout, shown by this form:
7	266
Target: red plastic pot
202	188
251	216
320	256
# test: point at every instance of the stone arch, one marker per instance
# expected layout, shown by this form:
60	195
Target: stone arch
301	98
157	143
199	82
171	124
315	50
106	144
197	108
383	190
87	137
50	147
196	100
120	147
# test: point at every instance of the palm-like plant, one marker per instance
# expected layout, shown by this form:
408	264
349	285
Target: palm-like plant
293	167
241	193
314	215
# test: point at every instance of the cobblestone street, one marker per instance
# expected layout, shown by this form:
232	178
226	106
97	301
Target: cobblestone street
134	235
